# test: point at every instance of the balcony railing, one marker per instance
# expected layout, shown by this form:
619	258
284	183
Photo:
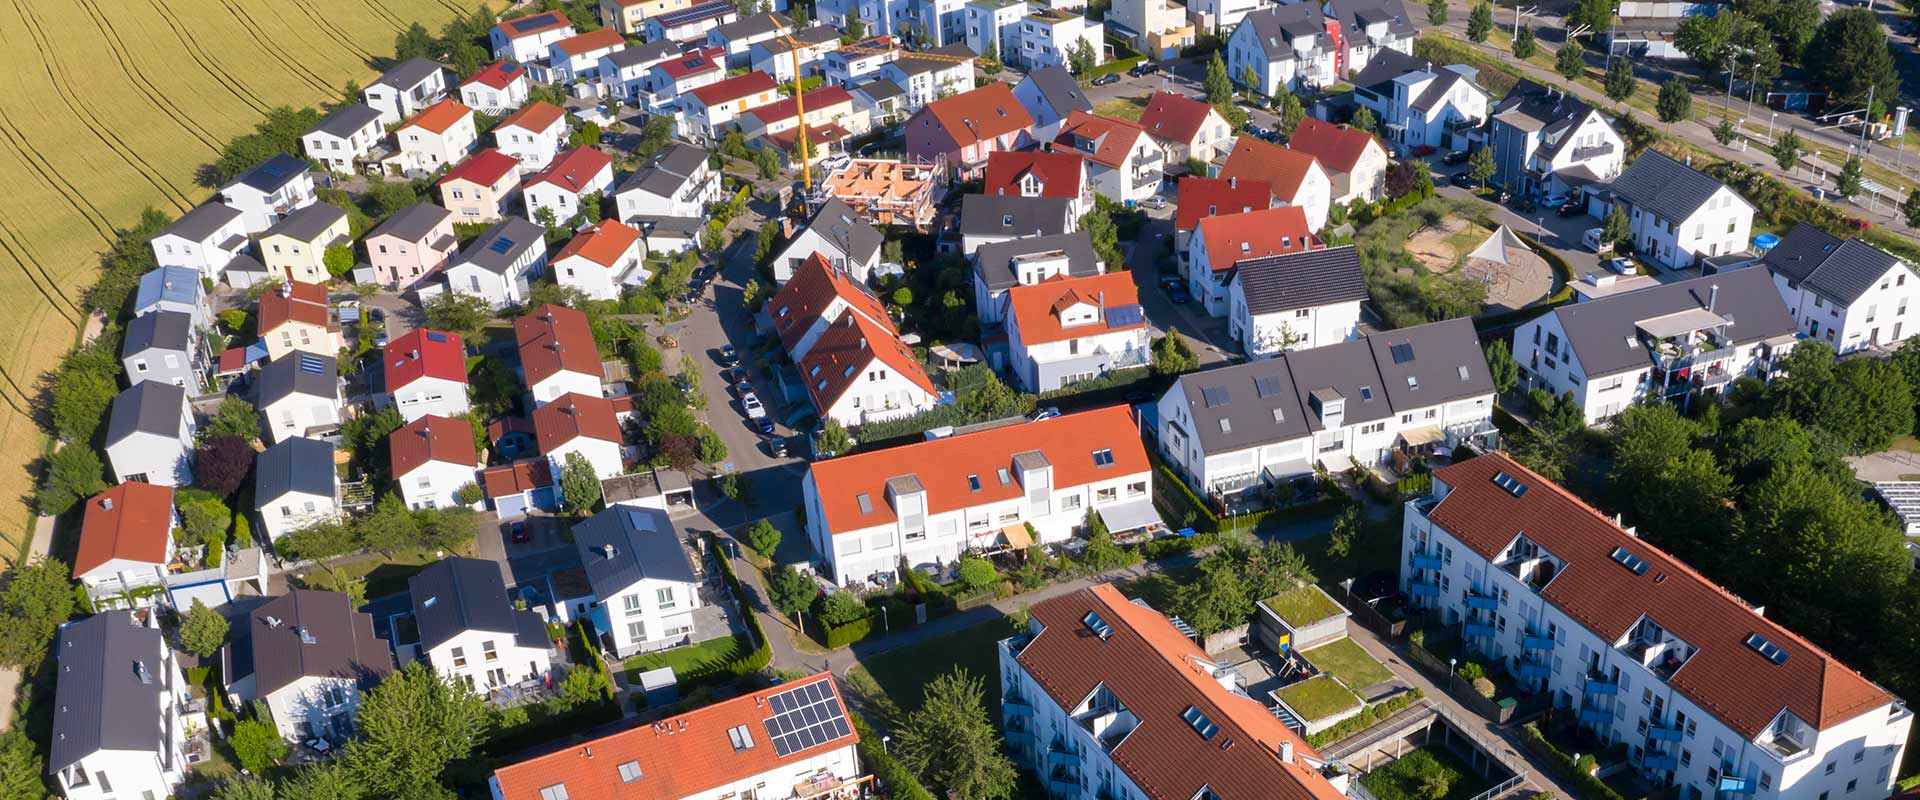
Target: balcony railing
1424	559
1476	630
1669	362
1592	151
1534	641
1732	785
1660	761
1533	669
1064	779
1060	754
1601	686
1665	733
1596	717
1419	588
1458	124
1485	602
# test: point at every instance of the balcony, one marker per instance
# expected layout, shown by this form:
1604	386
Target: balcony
1665	733
1732	785
1060	754
1592	151
1533	670
1596	717
1533	641
1419	588
1421	559
1484	602
1459	124
1784	745
1661	659
1668	357
1535	573
1660	762
1065	780
1601	686
1476	630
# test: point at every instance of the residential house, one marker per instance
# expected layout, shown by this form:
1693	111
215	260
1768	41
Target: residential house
995	25
470	630
425	372
1846	293
165	346
602	260
117	710
860	61
344	137
1064	331
310	657
1220	242
583	424
1157	28
624	73
691	24
1297	177
173	289
270	190
929	76
407	89
1353	159
515	489
1040	173
576	59
1050	36
501	264
1419	105
573	175
1285	47
817	297
986	218
294	317
126	542
497	88
150	435
1408	392
733	740
479	188
830	113
439	136
676	182
629	17
533	135
965	128
295	486
1049	95
1299	299
671	80
776	57
837	234
414	242
433	459
922	505
1094	655
1199	198
884	17
945	20
1186	129
295	248
638	565
204	240
1600	617
1001	266
1678	214
1124	164
881	100
858	371
668	235
525	39
1221	16
706	111
1691	336
737	38
1364	29
299	395
1546	142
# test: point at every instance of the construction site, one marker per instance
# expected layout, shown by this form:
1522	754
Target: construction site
886	192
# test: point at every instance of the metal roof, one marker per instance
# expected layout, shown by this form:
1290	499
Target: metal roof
298	464
456	595
110	687
168	285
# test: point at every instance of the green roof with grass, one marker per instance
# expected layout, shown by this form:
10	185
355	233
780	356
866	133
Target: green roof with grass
1318	697
1346	660
1303	605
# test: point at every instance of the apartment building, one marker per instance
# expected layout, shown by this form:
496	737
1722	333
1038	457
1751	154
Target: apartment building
1848	293
1545	141
1067	330
641	573
1296	300
1706	692
929	502
469	629
1678	214
927	77
859	62
1285	47
1049	37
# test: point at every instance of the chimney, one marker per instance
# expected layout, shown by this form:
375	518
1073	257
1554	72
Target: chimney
106	504
1713	296
608	550
586	752
1286	751
1233	181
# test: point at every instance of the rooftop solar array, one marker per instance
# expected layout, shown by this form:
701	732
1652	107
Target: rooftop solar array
1122	316
501	245
535	22
311	363
1904	498
805	717
695	13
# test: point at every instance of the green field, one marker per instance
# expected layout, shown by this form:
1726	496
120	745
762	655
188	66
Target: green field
118	105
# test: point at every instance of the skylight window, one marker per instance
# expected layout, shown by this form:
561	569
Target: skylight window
629	772
1099	626
1413	382
866	503
1630	561
973	482
1767	649
1226	425
1366	393
1463	372
1510	484
1103	457
1402	352
1215	396
1004	477
741	736
1201	725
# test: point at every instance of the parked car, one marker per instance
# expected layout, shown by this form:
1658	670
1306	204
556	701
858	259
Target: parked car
728	356
1622	266
1257	101
1462	179
1455	157
1571	209
777	446
1155	202
1524	204
1591	240
1107	79
750	403
764	425
1144	68
1179	294
1554	201
1043	413
517	532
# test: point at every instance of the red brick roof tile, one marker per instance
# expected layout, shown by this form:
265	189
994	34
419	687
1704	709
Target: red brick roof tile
294	301
553	339
131	521
1338	148
537	116
590	41
1061	175
839	358
1175	117
602	243
1036	308
811	292
424	353
984	113
1103	140
573	170
1284	169
1199	198
485	168
571	416
734	88
431	438
519	477
1268	231
439	116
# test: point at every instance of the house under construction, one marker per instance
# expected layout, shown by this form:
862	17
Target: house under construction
886	192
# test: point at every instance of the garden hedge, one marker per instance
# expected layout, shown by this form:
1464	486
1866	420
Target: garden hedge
899	781
762	654
1573	773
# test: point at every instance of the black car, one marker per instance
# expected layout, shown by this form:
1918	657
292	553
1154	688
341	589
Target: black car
1455	157
1144	68
1571	209
1462	179
1525	204
518	533
1109	78
728	356
777	447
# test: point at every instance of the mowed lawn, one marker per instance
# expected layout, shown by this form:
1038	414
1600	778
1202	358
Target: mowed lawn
905	673
114	107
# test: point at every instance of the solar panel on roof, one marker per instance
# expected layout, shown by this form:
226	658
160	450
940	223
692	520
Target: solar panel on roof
436	337
311	363
1214	396
1402	352
501	245
804	717
1119	316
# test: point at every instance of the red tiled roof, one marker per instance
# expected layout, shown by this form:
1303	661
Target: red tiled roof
689	755
1036	308
486	168
497	75
811	292
553	339
431	438
734	88
1338	148
294	301
589	42
942	465
1200	198
602	243
1268	231
984	113
698	62
1104	140
1060	174
571	416
424	354
816	100
537	116
1724	676
839	358
1175	117
817	135
1286	170
131	521
573	170
519	477
1159	675
514	29
439	116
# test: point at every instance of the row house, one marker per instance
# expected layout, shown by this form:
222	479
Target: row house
706	112
524	39
299	394
1059	174
642	577
1003	266
533	135
931	75
151	435
557	353
836	234
669	81
885	17
165	346
1846	293
817	297
986	219
1367	29
1545	141
204	240
432	459
1681	338
691	24
439	136
1298	178
776	57
1283	47
602	260
310	657
407	89
295	486
629	17
269	191
1354	160
1677	214
497	88
625	73
995	25
576	59
1412	391
1050	36
501	264
425	372
964	129
677	182
126	542
480	188
120	702
295	248
1295	300
925	504
294	317
564	183
736	39
1186	129
1222	240
1197	198
344	137
1123	163
1419	105
1068	330
1707	694
859	62
414	242
470	630
581	424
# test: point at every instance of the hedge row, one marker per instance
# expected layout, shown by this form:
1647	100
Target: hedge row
1577	775
1373	715
762	654
843	635
1179	493
900	782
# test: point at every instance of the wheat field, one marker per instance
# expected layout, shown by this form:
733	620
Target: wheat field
116	105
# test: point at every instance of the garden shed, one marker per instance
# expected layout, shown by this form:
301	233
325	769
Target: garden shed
1299	618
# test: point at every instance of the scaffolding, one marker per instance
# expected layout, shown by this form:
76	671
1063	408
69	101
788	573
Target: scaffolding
886	192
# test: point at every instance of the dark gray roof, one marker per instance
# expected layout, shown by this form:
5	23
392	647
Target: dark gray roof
1345	370
348	120
1356	15
1430	364
1668	188
1301	280
167	330
310	634
880	89
168	285
666	172
269	175
1552	111
1603	331
203	221
298	373
1838	270
649	53
816	35
754	25
1274	29
408	73
626	544
298	464
1060	89
502	244
836	222
456	595
1386	65
109	688
912	63
994	262
149	407
1255	401
649	224
308	223
412	223
1012	215
1437	89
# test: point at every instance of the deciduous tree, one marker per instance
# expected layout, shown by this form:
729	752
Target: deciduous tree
454	312
763	537
1849	57
411	728
1675	102
35	600
1847	181
257	744
792	591
579	483
222	463
1620	83
73	475
1436	12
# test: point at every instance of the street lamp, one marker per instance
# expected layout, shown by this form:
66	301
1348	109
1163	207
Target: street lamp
1451	672
886	744
1770	117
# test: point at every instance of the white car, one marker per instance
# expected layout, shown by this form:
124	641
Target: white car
750	403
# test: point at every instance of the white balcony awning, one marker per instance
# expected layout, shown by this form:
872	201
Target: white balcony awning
1130	515
1420	436
1680	322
